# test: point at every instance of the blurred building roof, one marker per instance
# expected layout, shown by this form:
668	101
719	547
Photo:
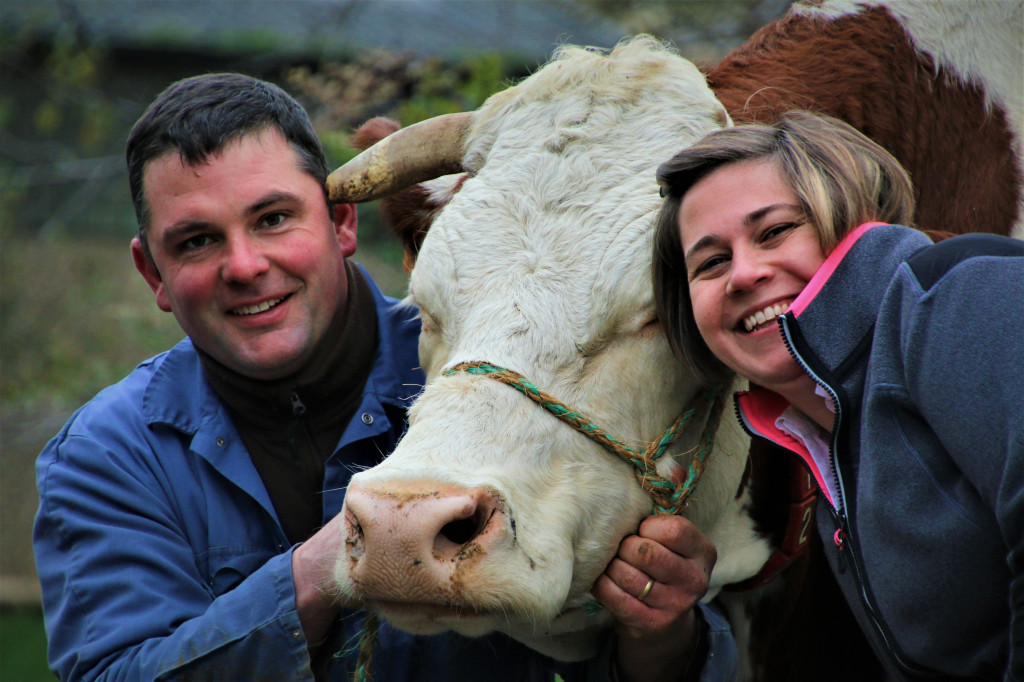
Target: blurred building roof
527	29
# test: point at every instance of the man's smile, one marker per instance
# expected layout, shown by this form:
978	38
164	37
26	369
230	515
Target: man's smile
257	308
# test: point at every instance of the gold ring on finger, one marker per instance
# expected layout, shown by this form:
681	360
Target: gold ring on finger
647	590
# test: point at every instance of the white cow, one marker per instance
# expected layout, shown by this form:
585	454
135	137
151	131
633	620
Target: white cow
491	514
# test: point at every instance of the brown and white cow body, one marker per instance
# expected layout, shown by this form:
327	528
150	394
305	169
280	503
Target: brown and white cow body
493	515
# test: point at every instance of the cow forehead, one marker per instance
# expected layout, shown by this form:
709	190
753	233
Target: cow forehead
554	225
531	275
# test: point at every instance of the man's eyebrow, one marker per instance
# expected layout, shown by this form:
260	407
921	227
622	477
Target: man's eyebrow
270	200
182	229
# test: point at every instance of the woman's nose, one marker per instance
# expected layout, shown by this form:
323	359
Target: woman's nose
747	270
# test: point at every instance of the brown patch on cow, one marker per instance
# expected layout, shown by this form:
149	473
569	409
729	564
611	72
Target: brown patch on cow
937	235
864	70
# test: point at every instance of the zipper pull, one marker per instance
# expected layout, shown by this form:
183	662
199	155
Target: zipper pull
298	408
839	537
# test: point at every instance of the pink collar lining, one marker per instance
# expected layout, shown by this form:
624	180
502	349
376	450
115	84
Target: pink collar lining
760	408
827	268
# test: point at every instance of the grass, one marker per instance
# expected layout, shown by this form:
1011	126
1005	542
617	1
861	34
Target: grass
23	647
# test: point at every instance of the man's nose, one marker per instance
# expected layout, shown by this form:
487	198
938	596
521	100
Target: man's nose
244	261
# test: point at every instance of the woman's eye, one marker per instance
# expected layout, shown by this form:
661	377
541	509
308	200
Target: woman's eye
776	230
707	266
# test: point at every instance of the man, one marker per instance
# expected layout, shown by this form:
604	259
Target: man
187	526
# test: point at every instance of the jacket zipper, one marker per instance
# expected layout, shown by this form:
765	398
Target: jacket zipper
298	410
842	535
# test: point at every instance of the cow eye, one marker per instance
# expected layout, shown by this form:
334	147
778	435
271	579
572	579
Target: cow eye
428	325
650	328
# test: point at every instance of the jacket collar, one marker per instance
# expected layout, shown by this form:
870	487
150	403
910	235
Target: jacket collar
179	396
848	287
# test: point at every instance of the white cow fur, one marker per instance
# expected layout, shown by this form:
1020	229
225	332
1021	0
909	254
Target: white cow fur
541	264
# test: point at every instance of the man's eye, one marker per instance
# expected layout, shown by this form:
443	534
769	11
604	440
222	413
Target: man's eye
196	242
273	219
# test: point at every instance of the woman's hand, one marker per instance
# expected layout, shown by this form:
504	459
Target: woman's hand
651	587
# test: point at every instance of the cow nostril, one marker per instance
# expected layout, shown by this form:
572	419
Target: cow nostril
462	531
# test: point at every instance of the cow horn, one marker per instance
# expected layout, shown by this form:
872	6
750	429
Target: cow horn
423	151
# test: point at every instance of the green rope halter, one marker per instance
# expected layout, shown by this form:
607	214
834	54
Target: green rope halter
668	498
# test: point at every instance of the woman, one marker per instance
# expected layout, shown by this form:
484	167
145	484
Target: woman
897	375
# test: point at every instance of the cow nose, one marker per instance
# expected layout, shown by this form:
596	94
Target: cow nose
406	544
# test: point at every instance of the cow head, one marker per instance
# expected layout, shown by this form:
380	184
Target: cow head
491	514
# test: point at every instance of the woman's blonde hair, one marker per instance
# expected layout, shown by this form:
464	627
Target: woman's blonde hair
840	177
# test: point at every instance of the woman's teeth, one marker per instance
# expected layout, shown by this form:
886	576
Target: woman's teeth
766	315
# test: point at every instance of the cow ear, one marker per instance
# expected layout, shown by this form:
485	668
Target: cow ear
409	212
372	132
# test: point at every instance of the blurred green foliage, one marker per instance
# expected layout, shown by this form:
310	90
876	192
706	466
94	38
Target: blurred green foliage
342	95
75	317
23	647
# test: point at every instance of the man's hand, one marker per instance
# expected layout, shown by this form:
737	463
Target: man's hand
651	587
316	599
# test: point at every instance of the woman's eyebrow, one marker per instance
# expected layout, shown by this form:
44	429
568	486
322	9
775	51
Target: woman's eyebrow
759	214
704	242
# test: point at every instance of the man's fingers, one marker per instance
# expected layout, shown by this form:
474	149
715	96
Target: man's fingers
631	580
678	535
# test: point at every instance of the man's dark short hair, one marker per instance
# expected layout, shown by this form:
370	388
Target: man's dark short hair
199	116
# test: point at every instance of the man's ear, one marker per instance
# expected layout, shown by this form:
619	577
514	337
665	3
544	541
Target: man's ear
345	224
148	270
